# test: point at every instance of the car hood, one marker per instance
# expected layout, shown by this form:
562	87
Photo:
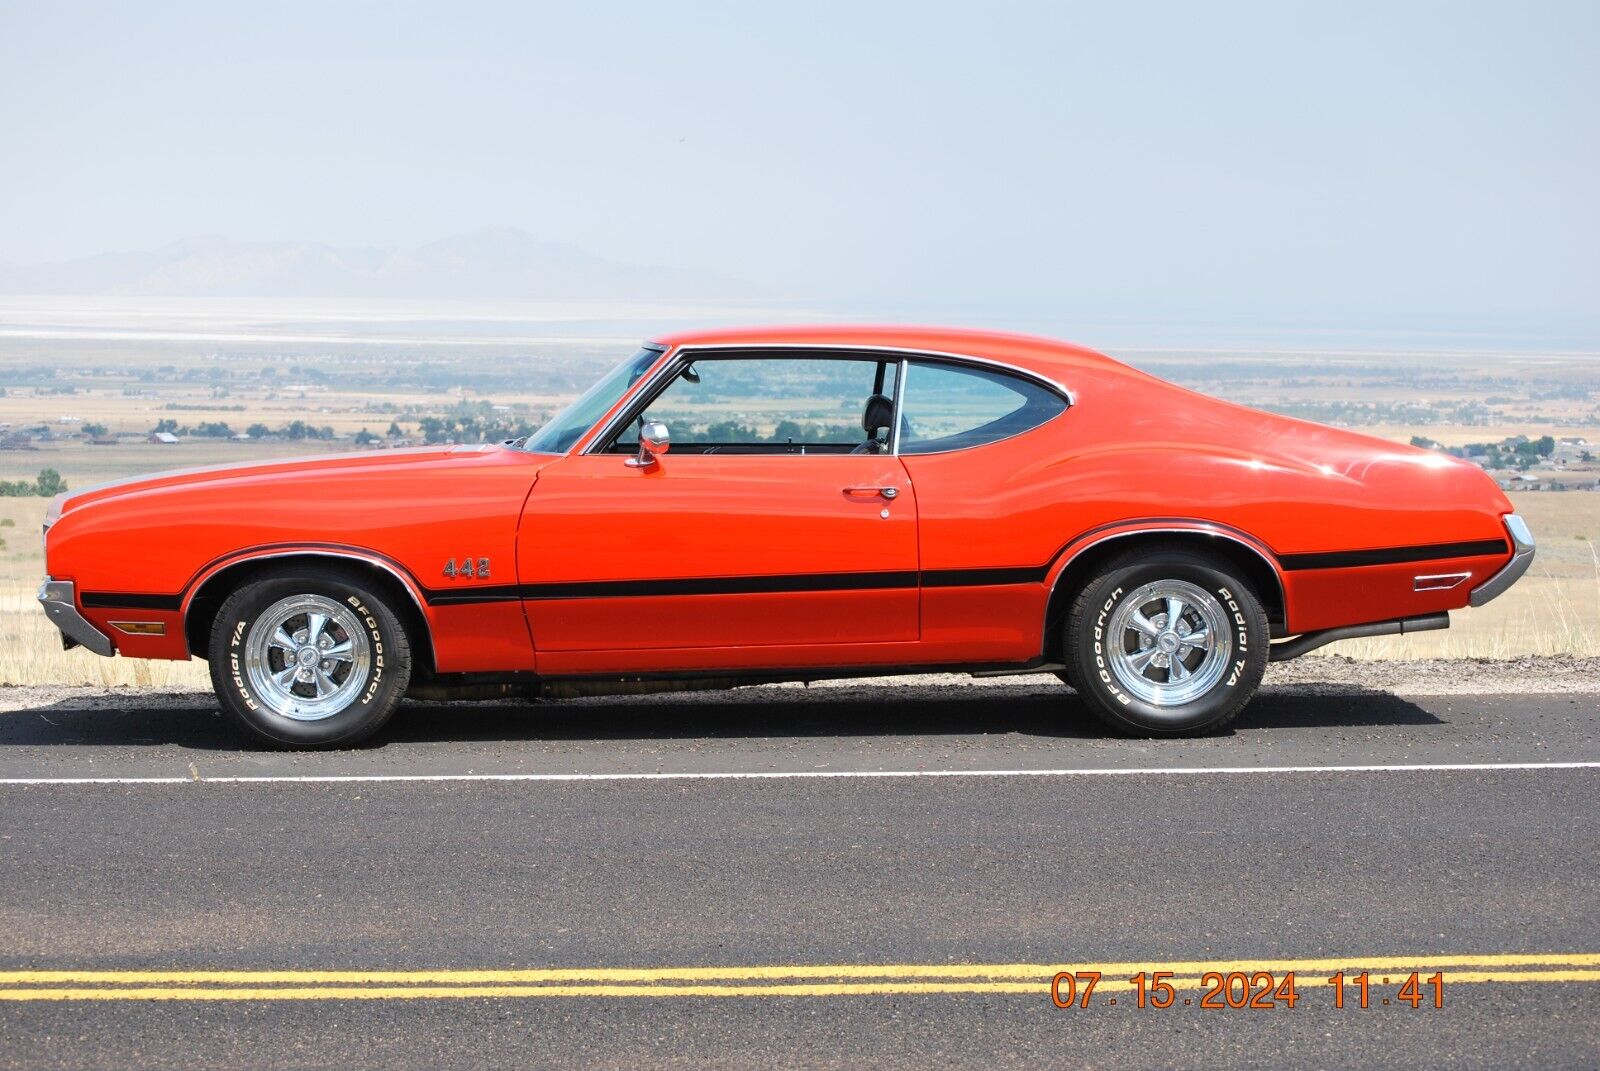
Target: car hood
351	464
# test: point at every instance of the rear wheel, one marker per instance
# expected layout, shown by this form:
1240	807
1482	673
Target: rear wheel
1166	643
311	659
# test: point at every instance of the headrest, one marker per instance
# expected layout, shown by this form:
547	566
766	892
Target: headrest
878	414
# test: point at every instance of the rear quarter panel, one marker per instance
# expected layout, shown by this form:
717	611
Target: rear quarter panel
1136	452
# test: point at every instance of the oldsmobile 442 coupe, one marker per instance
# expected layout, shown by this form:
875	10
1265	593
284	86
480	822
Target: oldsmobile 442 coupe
836	502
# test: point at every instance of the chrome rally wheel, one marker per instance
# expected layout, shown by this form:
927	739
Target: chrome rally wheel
306	657
1167	642
309	657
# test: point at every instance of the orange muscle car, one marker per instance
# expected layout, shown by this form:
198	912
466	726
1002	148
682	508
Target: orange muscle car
836	502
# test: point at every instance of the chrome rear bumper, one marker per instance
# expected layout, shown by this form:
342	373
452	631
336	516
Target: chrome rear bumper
60	602
1521	558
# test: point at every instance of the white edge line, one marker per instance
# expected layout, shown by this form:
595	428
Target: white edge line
1132	771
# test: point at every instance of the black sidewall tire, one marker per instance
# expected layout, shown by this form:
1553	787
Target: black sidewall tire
1096	684
391	663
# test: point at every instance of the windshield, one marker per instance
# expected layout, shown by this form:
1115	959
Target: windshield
568	426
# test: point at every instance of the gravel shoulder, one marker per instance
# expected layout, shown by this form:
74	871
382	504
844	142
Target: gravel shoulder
1328	675
1542	675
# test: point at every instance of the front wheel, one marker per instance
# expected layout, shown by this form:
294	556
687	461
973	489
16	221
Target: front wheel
1166	643
308	660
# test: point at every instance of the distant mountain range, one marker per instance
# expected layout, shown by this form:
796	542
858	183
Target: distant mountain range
497	262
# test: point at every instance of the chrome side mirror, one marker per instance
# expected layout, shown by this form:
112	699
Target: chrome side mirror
654	440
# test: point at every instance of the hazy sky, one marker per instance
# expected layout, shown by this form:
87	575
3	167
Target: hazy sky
1398	163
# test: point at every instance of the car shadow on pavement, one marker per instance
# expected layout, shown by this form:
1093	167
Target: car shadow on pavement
1042	711
192	720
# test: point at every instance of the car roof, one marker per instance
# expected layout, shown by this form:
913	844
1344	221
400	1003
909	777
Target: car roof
1043	355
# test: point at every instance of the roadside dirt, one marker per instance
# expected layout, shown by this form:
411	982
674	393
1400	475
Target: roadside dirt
1562	674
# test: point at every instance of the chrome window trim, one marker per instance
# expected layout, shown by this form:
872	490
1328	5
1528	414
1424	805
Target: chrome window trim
656	348
675	362
645	387
899	400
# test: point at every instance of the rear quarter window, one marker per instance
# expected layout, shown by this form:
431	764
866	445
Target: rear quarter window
952	407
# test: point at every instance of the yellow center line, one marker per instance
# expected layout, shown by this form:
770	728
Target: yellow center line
794	980
775	989
546	975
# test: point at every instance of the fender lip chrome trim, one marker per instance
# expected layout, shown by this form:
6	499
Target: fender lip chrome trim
418	594
1511	572
60	602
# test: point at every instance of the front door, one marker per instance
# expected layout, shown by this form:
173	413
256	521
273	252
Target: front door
776	519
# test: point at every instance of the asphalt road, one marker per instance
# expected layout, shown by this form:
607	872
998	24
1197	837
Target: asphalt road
865	920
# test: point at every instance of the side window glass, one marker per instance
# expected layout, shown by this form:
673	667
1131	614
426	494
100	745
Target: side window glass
952	407
775	405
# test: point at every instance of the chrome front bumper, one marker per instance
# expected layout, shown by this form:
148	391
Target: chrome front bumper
60	602
1521	558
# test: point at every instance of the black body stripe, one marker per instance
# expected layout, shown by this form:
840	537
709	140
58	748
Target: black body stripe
458	596
940	578
972	578
116	600
812	582
722	585
1351	559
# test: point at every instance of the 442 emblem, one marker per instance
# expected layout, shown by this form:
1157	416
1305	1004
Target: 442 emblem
470	567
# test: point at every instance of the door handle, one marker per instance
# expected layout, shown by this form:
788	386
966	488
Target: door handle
871	492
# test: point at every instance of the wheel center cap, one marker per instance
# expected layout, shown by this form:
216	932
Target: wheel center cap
1167	642
307	656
